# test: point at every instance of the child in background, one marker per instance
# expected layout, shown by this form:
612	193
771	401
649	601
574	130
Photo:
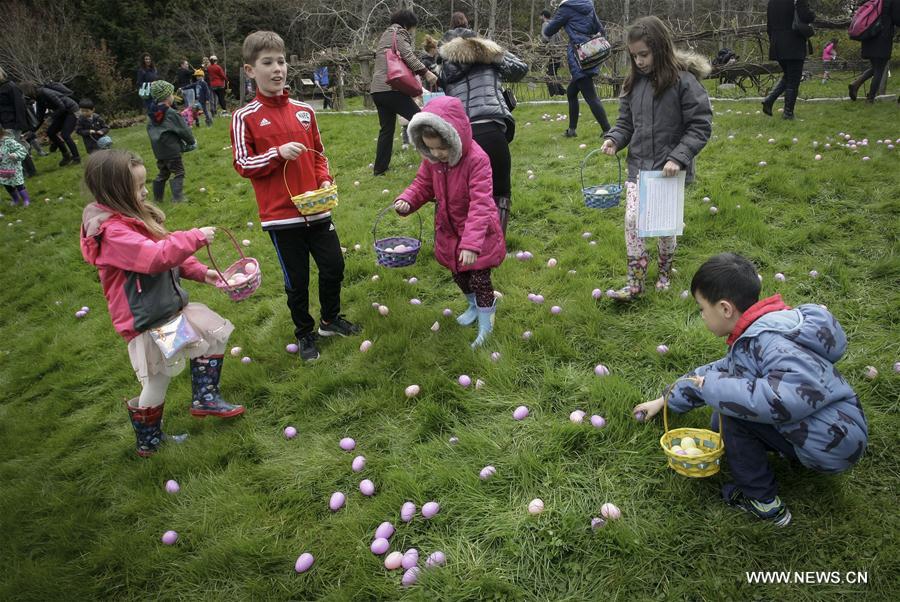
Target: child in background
91	127
777	388
199	89
456	173
12	177
829	55
169	137
139	264
665	116
276	144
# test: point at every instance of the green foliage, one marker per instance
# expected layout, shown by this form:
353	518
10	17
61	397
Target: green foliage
82	515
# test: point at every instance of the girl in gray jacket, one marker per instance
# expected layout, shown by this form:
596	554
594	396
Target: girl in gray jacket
665	116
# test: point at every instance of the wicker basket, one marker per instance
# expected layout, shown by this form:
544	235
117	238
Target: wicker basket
601	196
384	247
313	201
709	443
249	281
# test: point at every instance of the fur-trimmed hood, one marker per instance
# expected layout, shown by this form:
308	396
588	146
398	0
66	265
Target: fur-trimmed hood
448	117
472	50
693	63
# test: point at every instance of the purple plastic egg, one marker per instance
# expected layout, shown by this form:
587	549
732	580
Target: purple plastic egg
348	444
292	348
598	421
80	314
358	464
407	512
411	576
380	546
447	312
367	487
487	472
436	559
526	335
556	310
495	356
897	367
172	486
246	360
290	432
538	299
662	349
596	293
384	530
597	523
813	274
640	416
304	562
337	501
410	558
601	370
464	380
520	413
169	538
429	509
85	308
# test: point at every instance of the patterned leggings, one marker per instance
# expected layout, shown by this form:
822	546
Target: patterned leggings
634	244
478	282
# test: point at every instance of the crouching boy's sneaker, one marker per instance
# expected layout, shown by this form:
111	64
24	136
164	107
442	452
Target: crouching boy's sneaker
775	510
339	326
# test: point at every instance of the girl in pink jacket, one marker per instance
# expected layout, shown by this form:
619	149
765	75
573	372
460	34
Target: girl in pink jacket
139	264
456	174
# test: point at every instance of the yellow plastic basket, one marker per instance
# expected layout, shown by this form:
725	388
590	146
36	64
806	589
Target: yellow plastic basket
710	444
313	201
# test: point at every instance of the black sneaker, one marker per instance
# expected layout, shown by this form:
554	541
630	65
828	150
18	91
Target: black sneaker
775	511
308	350
338	326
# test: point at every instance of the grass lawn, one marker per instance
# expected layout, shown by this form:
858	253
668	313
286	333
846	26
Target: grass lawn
82	515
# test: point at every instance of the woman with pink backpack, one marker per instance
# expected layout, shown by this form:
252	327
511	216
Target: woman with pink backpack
873	25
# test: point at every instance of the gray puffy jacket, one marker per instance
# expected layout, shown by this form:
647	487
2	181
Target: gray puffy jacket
675	125
472	70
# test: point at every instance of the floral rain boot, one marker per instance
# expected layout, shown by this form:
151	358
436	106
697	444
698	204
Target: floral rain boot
205	375
637	273
665	271
147	424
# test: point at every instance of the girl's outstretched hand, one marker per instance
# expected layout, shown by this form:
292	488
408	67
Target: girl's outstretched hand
671	168
609	147
401	206
467	257
648	409
209	232
212	277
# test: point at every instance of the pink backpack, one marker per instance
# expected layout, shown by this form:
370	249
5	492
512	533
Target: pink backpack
866	21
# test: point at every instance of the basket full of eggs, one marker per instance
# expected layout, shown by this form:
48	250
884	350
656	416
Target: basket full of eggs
691	452
396	251
241	278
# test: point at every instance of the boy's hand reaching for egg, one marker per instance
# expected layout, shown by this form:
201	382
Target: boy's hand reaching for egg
647	410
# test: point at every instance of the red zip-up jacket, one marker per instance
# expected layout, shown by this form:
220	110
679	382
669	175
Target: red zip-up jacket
257	130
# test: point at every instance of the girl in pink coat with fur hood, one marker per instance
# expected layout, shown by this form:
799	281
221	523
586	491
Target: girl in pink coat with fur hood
456	174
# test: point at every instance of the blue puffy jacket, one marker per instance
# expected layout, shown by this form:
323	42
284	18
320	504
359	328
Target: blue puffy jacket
781	371
581	23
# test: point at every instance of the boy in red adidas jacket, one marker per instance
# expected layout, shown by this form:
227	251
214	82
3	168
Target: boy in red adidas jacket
275	140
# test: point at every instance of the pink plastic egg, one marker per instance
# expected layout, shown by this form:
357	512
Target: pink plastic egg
601	370
598	421
412	390
520	413
337	501
871	372
436	559
818	157
290	432
407	512
392	561
236	351
383	310
495	356
551	263
577	416
304	562
429	509
169	538
358	464
415	301
365	345
172	486
347	444
464	380
536	506
367	487
610	511
292	348
380	546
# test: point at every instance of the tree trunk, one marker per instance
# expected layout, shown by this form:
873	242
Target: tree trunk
492	18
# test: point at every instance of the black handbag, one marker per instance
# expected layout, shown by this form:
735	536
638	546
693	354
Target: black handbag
509	97
804	29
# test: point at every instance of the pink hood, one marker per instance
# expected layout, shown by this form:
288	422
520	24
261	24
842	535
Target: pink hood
466	216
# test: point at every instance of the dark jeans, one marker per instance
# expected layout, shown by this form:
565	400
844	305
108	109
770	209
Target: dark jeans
746	446
220	96
60	131
491	138
789	84
585	86
294	245
554	88
389	105
876	72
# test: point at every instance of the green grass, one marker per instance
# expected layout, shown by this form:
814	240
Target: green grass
82	515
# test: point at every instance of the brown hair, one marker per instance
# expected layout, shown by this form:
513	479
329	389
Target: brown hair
458	19
108	178
658	38
429	44
258	42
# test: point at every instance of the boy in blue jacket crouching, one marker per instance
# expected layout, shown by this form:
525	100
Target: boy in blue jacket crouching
777	388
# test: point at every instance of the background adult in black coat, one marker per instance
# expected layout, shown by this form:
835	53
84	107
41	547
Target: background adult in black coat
878	51
787	47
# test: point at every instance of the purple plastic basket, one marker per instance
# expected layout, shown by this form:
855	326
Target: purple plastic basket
393	259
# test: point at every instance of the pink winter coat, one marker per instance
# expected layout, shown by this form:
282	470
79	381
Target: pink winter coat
139	274
465	217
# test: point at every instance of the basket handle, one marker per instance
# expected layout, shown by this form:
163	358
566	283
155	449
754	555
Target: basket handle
666	395
381	215
588	156
236	246
284	169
